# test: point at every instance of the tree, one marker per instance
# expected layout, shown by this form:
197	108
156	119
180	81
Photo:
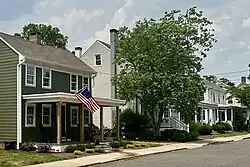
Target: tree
160	61
243	94
50	35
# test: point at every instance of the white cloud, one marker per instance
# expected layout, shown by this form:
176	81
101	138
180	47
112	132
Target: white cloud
246	22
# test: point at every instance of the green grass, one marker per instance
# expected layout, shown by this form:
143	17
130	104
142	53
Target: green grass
229	134
18	158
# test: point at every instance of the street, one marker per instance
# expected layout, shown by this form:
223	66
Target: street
234	154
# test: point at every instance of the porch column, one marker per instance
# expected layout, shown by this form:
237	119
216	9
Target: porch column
225	115
195	117
82	125
232	117
59	133
202	115
118	123
101	123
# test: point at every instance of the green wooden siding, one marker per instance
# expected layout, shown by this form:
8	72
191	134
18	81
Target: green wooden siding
50	133
60	82
8	93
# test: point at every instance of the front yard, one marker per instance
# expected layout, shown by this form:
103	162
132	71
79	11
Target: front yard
21	158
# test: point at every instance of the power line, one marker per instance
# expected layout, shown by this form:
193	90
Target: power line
232	72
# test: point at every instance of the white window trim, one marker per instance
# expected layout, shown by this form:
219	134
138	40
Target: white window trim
26	73
26	114
95	59
50	107
83	81
77	120
71	90
47	87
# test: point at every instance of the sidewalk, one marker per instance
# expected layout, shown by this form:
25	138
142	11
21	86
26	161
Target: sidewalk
126	154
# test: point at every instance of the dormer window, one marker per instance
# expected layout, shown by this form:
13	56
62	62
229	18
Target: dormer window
98	60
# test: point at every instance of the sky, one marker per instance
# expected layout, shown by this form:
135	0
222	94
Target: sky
84	21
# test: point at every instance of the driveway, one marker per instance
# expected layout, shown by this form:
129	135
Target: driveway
234	154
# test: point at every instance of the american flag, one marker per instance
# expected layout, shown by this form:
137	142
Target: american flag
85	97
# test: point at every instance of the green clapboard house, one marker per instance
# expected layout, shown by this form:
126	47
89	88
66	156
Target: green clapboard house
37	101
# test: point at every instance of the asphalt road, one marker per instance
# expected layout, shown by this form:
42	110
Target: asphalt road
234	154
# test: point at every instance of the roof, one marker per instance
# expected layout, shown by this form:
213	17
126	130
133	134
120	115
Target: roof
104	43
49	56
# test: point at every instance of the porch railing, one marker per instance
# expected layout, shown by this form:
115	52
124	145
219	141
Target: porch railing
174	123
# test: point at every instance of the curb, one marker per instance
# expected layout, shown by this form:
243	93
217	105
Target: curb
132	157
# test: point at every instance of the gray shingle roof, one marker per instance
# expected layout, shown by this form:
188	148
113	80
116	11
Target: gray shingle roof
104	43
48	55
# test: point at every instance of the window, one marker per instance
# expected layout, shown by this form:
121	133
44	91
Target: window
213	97
74	117
30	115
223	116
229	114
98	60
46	78
46	115
85	82
218	98
73	83
30	76
230	101
86	117
204	115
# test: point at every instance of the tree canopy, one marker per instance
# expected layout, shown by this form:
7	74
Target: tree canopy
227	82
160	61
50	35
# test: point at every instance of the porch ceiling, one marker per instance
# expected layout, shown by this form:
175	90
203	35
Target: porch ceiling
70	98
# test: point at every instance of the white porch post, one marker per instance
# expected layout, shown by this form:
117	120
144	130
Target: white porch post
82	124
232	117
118	123
59	133
101	123
202	115
218	117
195	117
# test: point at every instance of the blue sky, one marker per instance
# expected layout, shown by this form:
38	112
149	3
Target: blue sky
84	21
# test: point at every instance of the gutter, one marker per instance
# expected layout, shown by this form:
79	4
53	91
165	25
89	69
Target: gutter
19	102
93	77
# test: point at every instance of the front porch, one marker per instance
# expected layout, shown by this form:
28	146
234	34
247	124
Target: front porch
60	118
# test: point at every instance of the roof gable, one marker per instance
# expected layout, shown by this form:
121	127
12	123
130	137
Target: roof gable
42	53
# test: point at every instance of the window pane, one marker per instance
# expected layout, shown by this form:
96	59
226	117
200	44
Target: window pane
74	120
45	119
30	120
73	86
73	78
85	81
45	82
30	79
86	121
98	59
30	70
74	112
30	110
46	73
86	113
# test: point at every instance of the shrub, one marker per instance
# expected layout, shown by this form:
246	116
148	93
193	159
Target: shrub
193	136
219	128
194	127
99	150
28	146
80	147
239	120
70	149
89	150
205	130
137	145
89	146
43	148
114	144
77	152
130	146
124	143
227	126
178	135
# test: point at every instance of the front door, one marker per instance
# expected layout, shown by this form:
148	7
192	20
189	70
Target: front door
63	121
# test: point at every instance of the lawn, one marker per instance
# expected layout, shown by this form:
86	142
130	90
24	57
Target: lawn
18	158
230	134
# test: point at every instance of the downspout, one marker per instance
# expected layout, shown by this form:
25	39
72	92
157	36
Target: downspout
19	102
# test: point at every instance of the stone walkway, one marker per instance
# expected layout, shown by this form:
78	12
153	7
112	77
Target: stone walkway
126	154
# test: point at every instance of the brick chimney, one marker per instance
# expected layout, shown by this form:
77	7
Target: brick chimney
35	37
243	79
78	51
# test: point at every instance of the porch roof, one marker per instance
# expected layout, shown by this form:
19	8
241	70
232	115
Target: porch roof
230	106
70	98
207	105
